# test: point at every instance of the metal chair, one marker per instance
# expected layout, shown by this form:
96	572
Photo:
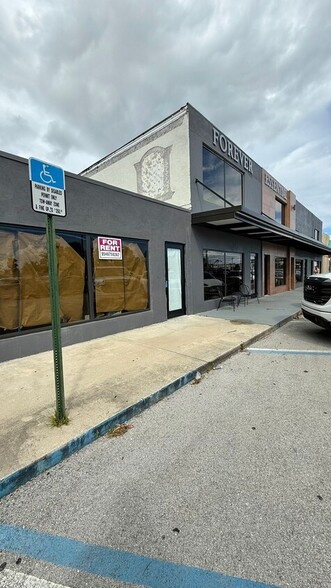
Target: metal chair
232	299
246	293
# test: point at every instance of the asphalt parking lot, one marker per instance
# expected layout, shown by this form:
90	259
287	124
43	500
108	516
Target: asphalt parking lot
228	477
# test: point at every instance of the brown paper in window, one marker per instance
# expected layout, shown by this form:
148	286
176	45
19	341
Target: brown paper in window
34	280
71	281
9	286
34	286
135	272
108	283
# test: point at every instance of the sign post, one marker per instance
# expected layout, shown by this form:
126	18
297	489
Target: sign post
48	197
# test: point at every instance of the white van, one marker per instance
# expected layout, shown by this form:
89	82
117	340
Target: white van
316	304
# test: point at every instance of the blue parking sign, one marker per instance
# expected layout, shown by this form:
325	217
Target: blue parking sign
47	174
47	188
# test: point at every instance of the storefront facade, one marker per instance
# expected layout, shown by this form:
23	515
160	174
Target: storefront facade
98	296
191	214
246	226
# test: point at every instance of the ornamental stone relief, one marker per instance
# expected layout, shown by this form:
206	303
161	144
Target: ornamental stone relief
153	174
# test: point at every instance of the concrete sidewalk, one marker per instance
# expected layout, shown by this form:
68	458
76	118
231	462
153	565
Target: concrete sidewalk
112	374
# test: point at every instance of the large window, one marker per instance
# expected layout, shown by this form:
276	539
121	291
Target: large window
279	212
222	182
280	271
24	285
299	274
121	285
223	271
88	287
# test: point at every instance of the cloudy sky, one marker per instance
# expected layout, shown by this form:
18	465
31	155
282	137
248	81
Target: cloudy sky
81	78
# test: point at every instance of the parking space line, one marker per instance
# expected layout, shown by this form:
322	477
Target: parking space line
11	579
288	351
113	563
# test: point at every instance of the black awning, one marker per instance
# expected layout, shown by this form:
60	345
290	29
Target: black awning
241	221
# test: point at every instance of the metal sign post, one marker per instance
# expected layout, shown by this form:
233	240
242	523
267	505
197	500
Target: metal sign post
48	197
60	412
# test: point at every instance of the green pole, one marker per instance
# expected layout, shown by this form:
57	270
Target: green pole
60	413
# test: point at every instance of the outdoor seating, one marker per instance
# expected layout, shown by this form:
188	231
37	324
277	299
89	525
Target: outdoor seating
230	299
247	294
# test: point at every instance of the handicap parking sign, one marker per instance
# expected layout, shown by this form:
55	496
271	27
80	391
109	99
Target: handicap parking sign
47	174
47	188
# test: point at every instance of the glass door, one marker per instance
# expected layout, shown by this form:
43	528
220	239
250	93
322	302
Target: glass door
175	279
252	272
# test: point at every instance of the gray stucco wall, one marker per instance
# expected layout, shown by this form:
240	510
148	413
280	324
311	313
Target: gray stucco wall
93	207
306	221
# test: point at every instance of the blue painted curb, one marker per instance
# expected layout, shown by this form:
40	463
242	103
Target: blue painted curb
20	477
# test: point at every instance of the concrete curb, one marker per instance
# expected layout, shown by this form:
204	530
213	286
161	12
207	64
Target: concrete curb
23	475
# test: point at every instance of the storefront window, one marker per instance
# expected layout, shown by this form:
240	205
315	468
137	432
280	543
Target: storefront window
24	282
280	271
299	270
121	285
9	282
223	271
221	178
232	185
71	251
279	212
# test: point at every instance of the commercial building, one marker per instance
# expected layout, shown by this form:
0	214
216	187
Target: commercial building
246	226
154	230
98	296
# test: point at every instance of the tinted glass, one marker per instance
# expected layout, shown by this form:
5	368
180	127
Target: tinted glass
223	179
222	271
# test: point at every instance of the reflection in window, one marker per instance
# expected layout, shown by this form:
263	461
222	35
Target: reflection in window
280	212
299	270
121	285
280	271
223	271
232	185
253	272
214	178
223	179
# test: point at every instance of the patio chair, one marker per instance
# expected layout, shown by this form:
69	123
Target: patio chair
230	299
246	293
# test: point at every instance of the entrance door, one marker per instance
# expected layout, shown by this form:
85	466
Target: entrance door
267	274
253	272
175	279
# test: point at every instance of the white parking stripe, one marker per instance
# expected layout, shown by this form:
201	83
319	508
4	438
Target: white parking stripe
288	351
11	579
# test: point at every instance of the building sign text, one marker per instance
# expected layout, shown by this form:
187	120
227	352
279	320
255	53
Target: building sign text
275	186
231	150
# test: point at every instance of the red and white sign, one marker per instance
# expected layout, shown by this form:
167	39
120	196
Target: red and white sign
109	248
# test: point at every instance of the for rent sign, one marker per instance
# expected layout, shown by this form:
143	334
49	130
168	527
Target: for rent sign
109	248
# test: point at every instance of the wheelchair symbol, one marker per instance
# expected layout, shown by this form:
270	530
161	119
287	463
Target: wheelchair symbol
46	176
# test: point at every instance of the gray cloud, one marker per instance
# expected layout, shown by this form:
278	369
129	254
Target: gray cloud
79	79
